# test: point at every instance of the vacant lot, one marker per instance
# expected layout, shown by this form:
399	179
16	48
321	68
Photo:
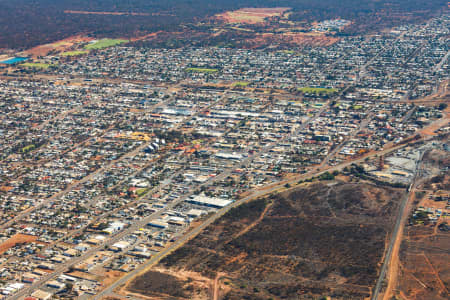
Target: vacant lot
15	240
59	46
312	90
251	15
318	240
37	65
424	271
163	283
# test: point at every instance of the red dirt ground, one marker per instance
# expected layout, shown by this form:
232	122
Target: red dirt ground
291	38
59	46
16	239
82	12
251	15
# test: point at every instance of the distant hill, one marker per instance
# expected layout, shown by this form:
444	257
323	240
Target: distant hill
27	23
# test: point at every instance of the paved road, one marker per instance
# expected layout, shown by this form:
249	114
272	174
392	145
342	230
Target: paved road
43	280
88	177
339	147
403	212
443	60
27	212
156	215
191	234
259	193
197	230
181	241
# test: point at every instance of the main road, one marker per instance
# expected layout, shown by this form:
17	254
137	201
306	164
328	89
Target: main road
195	231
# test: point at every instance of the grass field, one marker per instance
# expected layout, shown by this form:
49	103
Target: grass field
141	191
241	84
74	53
202	70
37	65
311	90
104	43
28	148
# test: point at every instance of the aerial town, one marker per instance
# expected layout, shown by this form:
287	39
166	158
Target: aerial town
113	156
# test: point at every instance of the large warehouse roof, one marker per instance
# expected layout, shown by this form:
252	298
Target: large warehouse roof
209	201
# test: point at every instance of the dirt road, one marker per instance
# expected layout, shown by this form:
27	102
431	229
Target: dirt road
390	264
217	286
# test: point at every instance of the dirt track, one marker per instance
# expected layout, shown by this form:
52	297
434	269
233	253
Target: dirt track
394	261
